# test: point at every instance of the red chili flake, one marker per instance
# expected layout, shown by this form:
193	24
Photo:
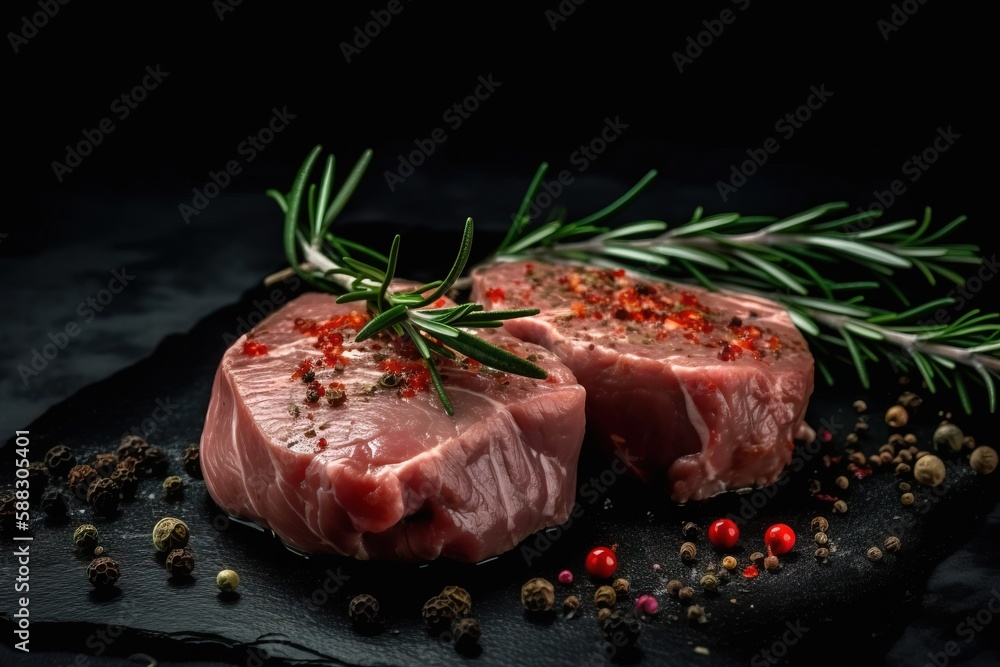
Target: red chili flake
826	498
321	443
303	368
730	352
750	571
529	268
825	435
252	349
579	309
439	303
861	473
495	294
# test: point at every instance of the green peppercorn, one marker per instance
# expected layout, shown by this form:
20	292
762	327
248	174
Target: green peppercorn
983	460
686	593
466	632
173	485
538	595
620	585
60	460
842	482
822	553
674	586
907	498
86	537
819	524
904	487
892	544
948	438
688	552
840	506
929	470
103	572
363	610
227	581
439	612
104	496
169	534
460	597
821	539
874	554
756	557
710	582
729	562
180	562
605	597
571	604
192	461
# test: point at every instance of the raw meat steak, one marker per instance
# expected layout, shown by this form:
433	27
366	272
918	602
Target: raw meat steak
343	447
701	389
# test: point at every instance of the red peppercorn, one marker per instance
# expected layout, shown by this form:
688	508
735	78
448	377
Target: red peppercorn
724	533
602	562
779	539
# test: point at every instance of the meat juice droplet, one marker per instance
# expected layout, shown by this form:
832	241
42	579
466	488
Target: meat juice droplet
750	571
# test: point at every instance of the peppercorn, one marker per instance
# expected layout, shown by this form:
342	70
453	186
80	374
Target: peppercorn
38	479
968	442
910	439
903	469
906	499
169	534
104	496
885	457
127	480
79	478
858	458
814	486
897	416
771	563
439	612
603	613
85	537
861	426
756	557
905	456
821	539
180	562
363	610
192	461
892	544
822	553
686	593
929	470
605	597
688	552
130	463
919	454
729	562
60	460
820	524
874	460
860	405
840	506
460	597
904	487
620	585
54	504
948	438
155	461
909	400
983	460
105	464
538	594
173	485
103	572
98	551
571	604
134	446
887	447
842	482
621	628
689	530
696	614
227	581
673	587
874	554
710	582
466	632
852	439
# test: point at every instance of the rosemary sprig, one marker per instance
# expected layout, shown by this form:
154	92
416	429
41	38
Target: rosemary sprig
437	333
783	259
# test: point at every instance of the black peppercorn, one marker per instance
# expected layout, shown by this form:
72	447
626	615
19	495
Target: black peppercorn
689	530
103	572
105	464
874	554
821	539
605	596
820	524
822	553
80	478
104	496
60	460
155	461
892	544
460	597
571	604
538	595
621	628
686	593
467	633
674	586
438	613
127	481
180	562
710	582
169	534
173	485
192	461
363	610
85	537
54	504
132	446
312	396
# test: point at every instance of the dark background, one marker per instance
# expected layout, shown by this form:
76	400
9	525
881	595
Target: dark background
119	208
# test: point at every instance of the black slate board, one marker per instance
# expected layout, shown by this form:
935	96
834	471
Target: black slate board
292	610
